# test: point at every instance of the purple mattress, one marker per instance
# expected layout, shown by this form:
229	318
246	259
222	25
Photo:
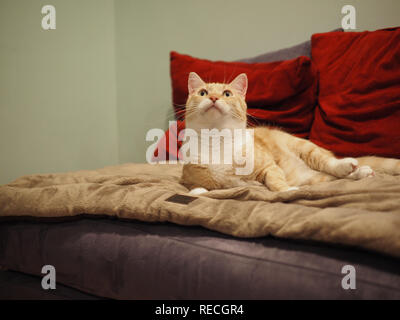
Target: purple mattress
133	260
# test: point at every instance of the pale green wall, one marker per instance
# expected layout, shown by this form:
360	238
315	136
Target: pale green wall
57	88
84	95
213	29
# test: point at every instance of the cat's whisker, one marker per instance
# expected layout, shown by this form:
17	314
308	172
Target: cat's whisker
175	113
236	116
256	120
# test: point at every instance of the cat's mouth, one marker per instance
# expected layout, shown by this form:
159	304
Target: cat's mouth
213	107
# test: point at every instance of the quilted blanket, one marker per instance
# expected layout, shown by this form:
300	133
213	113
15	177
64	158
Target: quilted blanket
364	213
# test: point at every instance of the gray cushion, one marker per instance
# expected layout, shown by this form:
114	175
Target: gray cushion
302	49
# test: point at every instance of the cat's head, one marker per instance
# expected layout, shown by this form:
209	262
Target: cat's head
213	105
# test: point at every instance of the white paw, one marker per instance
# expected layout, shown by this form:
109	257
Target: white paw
343	167
292	188
197	191
362	172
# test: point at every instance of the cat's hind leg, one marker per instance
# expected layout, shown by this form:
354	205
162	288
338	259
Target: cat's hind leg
342	168
322	160
349	168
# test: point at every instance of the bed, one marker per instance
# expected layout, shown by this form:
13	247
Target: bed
132	232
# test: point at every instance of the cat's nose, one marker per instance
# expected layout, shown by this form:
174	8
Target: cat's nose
213	98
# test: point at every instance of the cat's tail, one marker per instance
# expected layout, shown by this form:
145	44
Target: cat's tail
383	165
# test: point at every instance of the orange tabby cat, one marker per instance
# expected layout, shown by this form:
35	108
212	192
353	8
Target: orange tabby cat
282	162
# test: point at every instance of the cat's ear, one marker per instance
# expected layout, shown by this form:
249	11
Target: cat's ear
194	82
240	84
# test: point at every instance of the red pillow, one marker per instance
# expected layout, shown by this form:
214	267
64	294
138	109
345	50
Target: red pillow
281	93
359	92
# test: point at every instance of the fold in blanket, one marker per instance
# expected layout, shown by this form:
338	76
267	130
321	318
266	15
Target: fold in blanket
364	213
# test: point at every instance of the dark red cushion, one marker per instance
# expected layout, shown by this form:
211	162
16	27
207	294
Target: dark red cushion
281	93
359	92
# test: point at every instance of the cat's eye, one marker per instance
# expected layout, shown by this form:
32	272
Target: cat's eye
227	93
203	92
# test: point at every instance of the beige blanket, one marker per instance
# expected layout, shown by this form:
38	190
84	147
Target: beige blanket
363	213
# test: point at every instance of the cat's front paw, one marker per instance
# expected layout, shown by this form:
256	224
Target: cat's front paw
344	167
197	191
